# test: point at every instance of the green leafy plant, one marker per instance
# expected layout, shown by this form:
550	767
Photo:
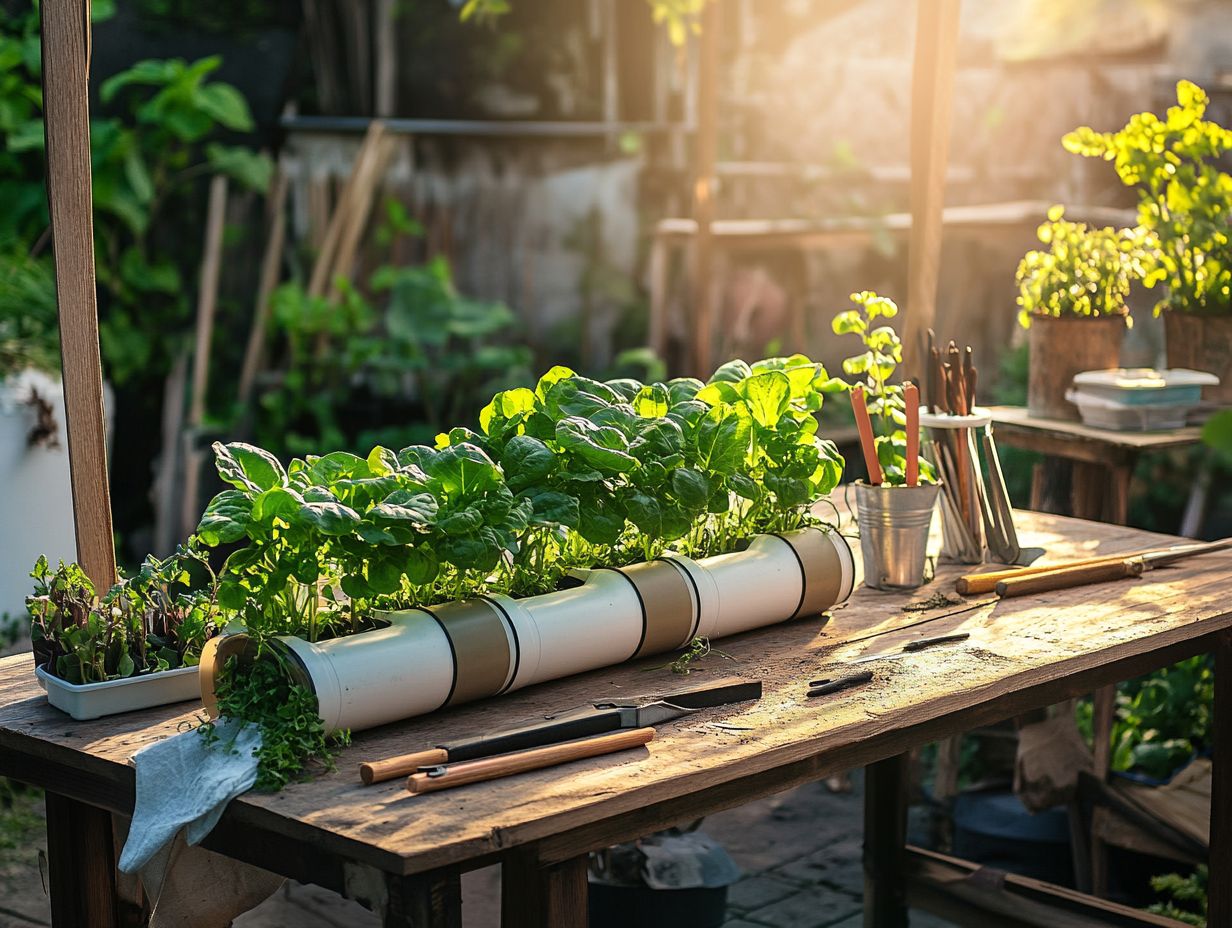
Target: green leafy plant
147	161
1161	719
1186	896
1183	198
1084	273
29	327
696	650
883	352
152	621
572	474
408	340
575	473
292	735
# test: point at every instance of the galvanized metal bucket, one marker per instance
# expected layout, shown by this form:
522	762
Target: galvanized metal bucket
894	524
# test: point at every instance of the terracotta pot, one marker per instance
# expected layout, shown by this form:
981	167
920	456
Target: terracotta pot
1202	343
1062	347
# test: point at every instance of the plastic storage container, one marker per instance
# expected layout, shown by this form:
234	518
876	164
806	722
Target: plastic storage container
1144	386
1119	417
1138	399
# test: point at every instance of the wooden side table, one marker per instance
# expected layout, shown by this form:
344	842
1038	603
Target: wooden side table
1103	460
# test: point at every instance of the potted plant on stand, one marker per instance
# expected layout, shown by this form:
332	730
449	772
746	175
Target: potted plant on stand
894	506
1183	201
1072	302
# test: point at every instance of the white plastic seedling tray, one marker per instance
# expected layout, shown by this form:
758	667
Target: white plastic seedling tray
94	700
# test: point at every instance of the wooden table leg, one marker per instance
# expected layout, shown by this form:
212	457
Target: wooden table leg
534	895
1219	910
885	841
80	864
1116	502
425	900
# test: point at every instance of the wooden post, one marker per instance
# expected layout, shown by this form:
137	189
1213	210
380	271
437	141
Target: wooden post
66	69
271	267
885	843
932	84
385	41
207	301
425	900
80	860
537	896
1219	903
702	288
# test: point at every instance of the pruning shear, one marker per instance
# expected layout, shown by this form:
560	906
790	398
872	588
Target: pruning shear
591	718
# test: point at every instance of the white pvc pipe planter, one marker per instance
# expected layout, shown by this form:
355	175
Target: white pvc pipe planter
427	659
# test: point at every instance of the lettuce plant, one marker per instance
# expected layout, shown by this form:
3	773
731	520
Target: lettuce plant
572	474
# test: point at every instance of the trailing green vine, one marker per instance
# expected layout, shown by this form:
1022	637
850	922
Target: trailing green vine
292	734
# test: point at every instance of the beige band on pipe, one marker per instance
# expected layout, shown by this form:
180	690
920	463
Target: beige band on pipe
822	571
481	652
669	608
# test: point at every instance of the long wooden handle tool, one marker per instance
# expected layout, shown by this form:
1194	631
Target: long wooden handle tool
911	400
378	771
491	768
1069	577
972	584
864	425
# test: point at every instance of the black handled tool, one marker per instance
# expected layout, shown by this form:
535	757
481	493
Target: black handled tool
594	718
826	687
914	647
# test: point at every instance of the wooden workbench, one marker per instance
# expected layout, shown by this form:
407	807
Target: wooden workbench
1103	459
402	854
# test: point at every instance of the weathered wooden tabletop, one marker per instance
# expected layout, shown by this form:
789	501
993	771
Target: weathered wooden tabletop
1021	654
1019	418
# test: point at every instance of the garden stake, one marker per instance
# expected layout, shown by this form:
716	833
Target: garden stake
865	427
911	400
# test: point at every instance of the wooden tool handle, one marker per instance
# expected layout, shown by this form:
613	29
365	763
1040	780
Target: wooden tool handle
491	768
1068	577
378	771
864	425
972	584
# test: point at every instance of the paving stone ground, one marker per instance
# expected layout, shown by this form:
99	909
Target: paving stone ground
799	850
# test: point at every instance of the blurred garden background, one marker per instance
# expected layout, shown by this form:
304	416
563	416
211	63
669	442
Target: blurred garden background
328	224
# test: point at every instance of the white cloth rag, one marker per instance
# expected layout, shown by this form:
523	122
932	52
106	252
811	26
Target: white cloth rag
183	782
